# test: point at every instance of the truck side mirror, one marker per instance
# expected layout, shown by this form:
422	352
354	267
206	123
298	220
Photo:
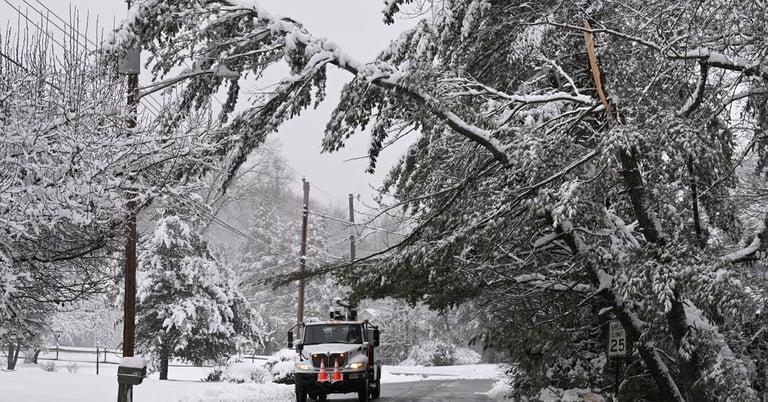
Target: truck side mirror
131	371
376	337
290	339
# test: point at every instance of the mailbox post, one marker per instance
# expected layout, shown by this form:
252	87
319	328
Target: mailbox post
131	371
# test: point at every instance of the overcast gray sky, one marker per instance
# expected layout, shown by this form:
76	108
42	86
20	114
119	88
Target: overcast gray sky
355	25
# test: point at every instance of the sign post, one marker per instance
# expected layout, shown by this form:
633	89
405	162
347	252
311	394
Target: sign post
617	339
617	348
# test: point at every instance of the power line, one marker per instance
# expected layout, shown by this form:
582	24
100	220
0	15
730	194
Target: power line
69	35
64	22
52	85
49	22
314	186
13	61
48	34
229	227
152	105
364	226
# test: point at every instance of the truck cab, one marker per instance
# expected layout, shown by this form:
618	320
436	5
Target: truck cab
337	356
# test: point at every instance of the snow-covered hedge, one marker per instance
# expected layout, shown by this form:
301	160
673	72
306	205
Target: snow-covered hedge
246	372
278	369
280	365
239	371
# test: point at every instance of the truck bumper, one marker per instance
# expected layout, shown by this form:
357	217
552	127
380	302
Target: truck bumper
351	382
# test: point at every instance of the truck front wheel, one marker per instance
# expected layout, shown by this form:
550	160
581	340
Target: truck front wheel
362	392
301	394
376	390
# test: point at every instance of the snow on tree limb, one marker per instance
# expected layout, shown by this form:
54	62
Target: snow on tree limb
541	282
716	59
695	99
391	7
748	253
318	52
705	55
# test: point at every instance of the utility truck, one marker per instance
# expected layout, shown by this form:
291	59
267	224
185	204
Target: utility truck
337	356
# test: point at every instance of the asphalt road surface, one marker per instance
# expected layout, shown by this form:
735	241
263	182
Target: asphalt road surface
428	391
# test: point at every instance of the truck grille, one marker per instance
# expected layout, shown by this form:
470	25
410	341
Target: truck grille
328	359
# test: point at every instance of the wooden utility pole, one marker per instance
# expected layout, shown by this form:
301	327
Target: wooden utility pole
130	65
351	228
302	258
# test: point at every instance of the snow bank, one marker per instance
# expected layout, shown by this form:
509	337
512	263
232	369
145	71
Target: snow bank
417	373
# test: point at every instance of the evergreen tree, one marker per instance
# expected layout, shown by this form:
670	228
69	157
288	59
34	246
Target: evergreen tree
188	306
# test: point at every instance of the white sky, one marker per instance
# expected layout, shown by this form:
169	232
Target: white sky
355	25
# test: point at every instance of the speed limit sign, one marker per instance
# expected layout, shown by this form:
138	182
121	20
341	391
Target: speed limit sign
617	339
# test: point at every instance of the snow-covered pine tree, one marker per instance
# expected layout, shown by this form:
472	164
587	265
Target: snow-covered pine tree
188	306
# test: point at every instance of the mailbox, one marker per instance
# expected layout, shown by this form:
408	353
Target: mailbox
131	370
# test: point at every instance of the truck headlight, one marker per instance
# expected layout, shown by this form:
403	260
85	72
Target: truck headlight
302	366
355	365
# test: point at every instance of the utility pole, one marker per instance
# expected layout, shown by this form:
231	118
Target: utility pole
351	228
302	258
130	66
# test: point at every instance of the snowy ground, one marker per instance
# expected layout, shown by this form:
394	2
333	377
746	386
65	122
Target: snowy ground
30	383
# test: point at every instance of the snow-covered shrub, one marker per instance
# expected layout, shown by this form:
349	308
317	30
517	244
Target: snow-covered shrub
280	365
73	368
432	353
49	366
214	375
463	356
246	372
443	354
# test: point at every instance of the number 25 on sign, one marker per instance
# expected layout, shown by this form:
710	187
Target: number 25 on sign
617	339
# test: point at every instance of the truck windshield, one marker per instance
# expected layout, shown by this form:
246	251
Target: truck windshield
332	333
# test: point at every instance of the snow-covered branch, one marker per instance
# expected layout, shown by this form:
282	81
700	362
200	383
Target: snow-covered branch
706	56
218	70
539	281
631	38
716	59
482	89
748	253
695	99
562	172
320	51
744	95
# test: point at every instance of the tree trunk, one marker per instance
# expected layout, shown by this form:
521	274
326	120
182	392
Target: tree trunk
164	356
16	354
690	369
35	355
10	364
650	357
13	355
659	372
633	181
